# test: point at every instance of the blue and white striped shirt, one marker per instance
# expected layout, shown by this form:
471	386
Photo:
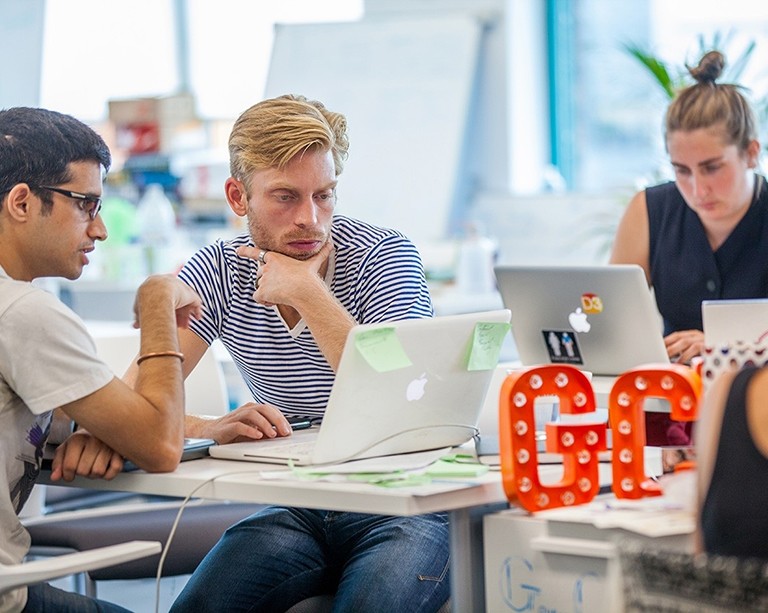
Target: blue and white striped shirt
375	273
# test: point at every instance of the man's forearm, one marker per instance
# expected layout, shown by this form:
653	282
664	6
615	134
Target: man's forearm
329	323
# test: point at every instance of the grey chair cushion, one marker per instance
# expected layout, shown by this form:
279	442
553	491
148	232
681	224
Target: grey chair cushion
198	531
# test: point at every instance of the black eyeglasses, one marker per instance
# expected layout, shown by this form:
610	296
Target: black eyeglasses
88	204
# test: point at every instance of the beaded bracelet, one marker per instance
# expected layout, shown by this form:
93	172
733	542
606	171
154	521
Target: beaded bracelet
160	354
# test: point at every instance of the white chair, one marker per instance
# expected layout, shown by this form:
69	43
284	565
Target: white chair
17	575
205	388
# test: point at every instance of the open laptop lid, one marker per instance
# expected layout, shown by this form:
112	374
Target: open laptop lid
728	321
601	319
401	387
430	398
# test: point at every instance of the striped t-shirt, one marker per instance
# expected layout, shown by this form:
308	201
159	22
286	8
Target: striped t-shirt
375	273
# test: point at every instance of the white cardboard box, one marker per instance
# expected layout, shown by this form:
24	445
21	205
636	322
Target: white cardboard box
564	560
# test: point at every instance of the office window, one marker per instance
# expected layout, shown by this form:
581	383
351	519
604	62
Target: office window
96	50
607	112
230	50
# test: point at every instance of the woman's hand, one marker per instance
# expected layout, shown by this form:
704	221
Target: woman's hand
684	345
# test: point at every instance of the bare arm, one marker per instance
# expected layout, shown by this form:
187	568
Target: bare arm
631	244
190	344
251	421
297	284
146	424
328	320
706	438
710	421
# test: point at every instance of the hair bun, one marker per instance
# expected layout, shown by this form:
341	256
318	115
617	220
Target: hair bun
710	67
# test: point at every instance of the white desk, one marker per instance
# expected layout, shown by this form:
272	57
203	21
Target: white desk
465	500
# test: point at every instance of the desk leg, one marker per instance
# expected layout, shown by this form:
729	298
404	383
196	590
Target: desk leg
467	576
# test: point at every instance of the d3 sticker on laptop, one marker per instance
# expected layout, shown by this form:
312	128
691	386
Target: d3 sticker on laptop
563	347
591	303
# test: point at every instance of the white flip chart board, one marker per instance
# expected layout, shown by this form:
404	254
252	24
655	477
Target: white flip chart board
406	88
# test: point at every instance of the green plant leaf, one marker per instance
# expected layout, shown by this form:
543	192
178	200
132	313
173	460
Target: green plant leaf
656	67
738	66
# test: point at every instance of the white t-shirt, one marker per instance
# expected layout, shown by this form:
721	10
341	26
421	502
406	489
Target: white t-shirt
47	359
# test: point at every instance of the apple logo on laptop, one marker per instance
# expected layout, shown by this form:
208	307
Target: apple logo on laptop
578	321
415	389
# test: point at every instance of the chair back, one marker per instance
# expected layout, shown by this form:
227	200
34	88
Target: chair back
205	387
13	576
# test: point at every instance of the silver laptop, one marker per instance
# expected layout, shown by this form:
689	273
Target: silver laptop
601	319
400	387
727	321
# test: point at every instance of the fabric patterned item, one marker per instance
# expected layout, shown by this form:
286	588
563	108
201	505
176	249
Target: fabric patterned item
731	357
661	581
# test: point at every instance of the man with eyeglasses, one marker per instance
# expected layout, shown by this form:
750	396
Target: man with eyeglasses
51	171
90	205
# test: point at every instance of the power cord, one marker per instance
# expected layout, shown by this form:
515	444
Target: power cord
473	430
175	525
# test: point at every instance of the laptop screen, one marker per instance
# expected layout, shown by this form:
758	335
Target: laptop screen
601	319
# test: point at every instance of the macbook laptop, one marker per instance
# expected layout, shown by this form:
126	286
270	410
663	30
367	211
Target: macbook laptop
601	319
727	321
400	387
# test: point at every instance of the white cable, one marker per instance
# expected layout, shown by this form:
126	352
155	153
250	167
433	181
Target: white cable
188	497
176	525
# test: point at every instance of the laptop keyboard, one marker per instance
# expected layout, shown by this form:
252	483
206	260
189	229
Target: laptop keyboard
295	450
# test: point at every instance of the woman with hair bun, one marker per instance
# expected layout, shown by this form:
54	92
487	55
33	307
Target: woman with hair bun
703	236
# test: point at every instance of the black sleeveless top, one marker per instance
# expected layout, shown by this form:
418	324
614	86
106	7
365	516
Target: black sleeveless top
685	270
734	516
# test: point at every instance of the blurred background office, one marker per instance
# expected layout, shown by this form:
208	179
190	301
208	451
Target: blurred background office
517	128
487	130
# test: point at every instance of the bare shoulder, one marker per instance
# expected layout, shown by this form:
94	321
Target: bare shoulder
757	410
708	425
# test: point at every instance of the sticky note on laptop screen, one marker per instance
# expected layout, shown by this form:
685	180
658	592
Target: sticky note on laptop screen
382	349
487	339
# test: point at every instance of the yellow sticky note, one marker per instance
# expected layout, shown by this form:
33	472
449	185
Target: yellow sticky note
382	349
487	339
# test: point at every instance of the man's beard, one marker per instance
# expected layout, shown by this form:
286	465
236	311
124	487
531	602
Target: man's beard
262	239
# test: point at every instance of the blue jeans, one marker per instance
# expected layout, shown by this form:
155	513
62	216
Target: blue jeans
44	598
280	556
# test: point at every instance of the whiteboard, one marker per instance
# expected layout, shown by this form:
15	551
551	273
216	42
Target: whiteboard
406	88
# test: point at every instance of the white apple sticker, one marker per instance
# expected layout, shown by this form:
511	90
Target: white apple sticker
416	388
578	321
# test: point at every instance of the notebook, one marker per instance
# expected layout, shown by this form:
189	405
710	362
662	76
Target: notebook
727	321
400	387
601	319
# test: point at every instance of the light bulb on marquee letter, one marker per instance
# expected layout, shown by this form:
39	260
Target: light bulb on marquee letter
579	443
678	384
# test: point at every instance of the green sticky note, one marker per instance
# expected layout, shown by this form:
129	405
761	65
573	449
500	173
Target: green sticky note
443	468
408	481
486	345
382	349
